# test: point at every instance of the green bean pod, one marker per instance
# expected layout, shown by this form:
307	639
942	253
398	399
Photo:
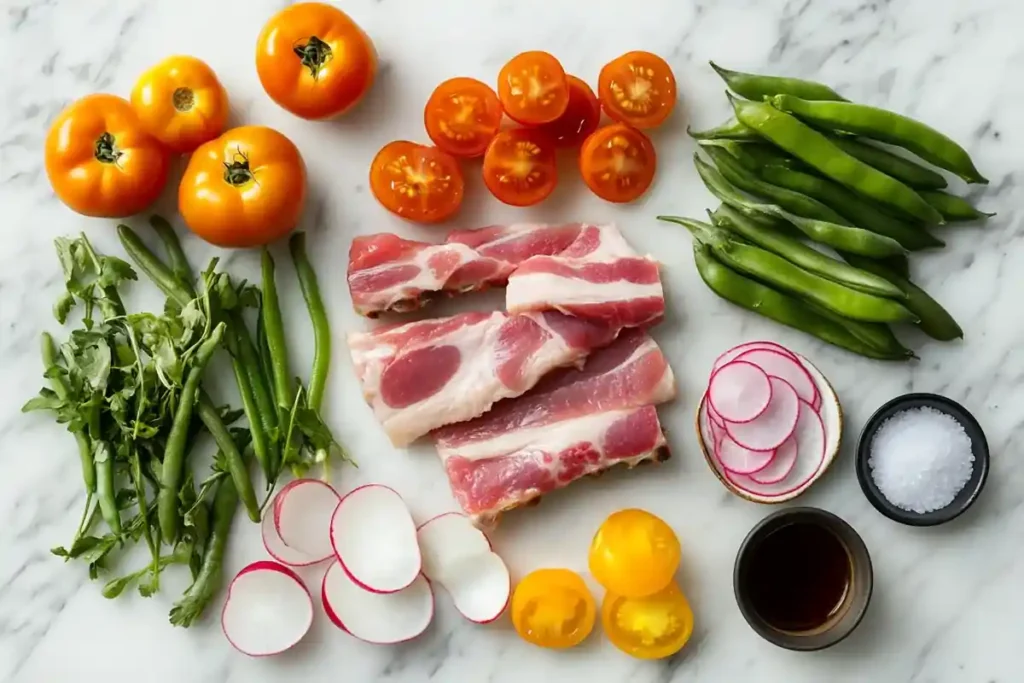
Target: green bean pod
232	455
60	387
954	208
886	126
816	150
876	335
902	169
103	457
260	443
730	130
148	262
841	237
175	254
776	306
753	155
318	315
935	321
757	87
274	330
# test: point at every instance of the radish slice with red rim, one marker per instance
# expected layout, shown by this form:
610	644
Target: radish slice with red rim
281	552
302	516
458	556
374	539
781	465
810	439
739	392
379	618
774	425
740	460
737	351
777	364
267	611
715	417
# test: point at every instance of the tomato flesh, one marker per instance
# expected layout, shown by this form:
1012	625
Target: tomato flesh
462	116
579	119
634	553
553	608
617	163
519	166
638	88
652	627
533	88
416	182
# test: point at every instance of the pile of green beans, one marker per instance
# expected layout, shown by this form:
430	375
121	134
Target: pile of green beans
799	162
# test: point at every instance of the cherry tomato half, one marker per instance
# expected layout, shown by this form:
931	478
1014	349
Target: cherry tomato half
637	88
653	627
533	88
416	182
553	608
634	553
519	166
462	116
579	119
617	163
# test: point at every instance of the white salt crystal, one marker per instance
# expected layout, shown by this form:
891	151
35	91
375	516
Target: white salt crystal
920	459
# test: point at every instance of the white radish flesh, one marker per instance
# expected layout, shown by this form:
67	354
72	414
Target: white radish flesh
776	364
374	539
781	465
810	440
267	611
715	417
739	391
302	516
774	425
380	618
740	460
281	552
737	351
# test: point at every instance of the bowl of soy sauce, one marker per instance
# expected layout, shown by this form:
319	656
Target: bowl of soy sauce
803	579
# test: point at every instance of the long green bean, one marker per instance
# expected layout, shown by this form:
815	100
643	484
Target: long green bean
730	130
232	455
904	170
106	493
175	254
954	208
758	87
148	262
274	331
318	315
60	387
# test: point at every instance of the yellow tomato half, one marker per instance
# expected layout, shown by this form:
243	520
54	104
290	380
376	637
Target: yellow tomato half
653	627
553	608
634	553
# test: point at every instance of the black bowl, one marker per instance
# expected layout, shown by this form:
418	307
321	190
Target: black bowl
967	495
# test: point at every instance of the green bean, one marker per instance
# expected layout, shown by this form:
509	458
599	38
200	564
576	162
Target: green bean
876	335
902	169
798	253
177	438
795	202
60	387
318	315
776	306
175	254
862	213
106	494
730	130
232	455
274	330
936	321
886	126
258	382
758	87
148	262
855	240
954	208
753	156
816	150
260	444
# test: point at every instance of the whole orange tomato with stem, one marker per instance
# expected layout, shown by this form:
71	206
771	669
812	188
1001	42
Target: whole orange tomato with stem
553	608
533	88
634	553
243	189
462	116
638	88
416	182
314	61
181	102
651	627
519	166
618	162
100	160
579	119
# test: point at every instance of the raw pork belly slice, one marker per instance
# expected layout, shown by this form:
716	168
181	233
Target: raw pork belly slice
389	273
598	277
423	375
575	422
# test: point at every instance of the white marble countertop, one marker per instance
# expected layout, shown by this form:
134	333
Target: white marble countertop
946	603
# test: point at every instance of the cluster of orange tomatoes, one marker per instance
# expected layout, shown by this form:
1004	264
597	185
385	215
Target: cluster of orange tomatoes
463	118
634	555
110	157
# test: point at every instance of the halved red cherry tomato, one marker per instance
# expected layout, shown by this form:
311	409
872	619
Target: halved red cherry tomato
462	116
637	88
634	553
617	163
648	628
553	608
579	119
533	88
519	166
416	182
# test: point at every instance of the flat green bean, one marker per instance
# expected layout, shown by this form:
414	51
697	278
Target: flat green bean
757	87
878	336
730	130
954	208
902	169
753	155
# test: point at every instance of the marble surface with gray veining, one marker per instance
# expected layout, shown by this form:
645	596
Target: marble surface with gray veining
947	602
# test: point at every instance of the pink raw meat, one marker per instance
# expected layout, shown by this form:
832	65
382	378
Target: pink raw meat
423	375
574	422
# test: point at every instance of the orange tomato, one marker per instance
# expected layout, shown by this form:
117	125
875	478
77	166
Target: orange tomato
314	61
579	119
519	166
181	103
637	88
553	608
617	163
462	116
416	182
634	553
244	188
533	88
652	627
100	160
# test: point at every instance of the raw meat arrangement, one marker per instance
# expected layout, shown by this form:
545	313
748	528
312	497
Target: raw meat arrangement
575	422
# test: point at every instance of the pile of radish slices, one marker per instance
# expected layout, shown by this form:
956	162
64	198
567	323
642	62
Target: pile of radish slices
379	585
769	422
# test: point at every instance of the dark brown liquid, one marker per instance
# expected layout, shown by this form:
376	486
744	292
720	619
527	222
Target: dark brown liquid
797	576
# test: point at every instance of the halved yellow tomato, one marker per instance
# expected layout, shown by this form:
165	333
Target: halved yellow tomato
652	627
634	553
553	608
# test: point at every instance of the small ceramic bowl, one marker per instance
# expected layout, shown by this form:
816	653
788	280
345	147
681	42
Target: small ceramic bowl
855	604
968	494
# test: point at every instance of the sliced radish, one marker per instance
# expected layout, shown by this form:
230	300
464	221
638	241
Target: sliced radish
737	351
715	417
740	460
781	465
302	516
816	403
267	611
374	538
777	364
281	552
773	426
380	618
458	556
739	391
810	440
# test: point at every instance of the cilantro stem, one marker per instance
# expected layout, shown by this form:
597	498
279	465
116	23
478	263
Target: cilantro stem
273	327
232	455
60	388
318	315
